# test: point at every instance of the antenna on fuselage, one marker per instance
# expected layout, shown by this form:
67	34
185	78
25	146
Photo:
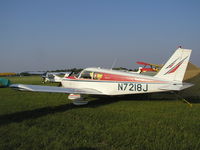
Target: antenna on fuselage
114	63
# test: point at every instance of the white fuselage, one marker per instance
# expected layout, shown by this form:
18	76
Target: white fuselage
119	83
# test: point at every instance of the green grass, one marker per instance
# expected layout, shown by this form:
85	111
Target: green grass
49	121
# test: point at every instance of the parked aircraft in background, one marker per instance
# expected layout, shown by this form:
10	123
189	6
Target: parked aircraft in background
148	67
54	76
98	81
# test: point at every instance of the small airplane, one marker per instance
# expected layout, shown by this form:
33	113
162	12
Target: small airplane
98	81
152	67
53	76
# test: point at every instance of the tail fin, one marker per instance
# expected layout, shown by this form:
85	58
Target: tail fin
174	69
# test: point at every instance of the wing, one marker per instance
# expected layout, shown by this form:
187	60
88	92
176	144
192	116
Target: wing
148	64
156	65
53	89
142	63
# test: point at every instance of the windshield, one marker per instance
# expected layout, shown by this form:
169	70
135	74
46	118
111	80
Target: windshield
77	75
86	75
89	75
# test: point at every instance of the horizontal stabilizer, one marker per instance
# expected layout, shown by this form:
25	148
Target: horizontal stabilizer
176	87
53	89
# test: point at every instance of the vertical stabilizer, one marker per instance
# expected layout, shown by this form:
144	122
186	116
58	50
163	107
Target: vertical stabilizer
174	69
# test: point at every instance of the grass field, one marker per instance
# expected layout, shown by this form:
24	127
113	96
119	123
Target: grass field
138	122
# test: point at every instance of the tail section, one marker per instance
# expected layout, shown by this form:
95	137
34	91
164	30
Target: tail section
174	69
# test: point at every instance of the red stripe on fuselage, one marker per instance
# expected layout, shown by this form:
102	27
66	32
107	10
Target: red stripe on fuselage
114	77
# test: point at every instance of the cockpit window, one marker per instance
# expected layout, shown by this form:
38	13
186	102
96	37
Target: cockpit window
86	75
89	75
77	75
97	76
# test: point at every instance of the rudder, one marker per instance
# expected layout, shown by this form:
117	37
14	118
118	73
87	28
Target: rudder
174	69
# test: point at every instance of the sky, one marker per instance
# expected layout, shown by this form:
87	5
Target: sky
40	35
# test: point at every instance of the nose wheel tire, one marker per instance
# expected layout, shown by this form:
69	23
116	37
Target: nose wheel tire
77	99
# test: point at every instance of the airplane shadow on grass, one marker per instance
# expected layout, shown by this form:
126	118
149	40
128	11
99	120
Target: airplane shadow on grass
36	113
99	101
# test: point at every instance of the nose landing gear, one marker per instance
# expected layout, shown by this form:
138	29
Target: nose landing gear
77	99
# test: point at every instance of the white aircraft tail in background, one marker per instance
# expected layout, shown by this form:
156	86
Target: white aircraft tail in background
174	69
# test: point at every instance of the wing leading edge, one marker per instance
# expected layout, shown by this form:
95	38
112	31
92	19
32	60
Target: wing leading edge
53	89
